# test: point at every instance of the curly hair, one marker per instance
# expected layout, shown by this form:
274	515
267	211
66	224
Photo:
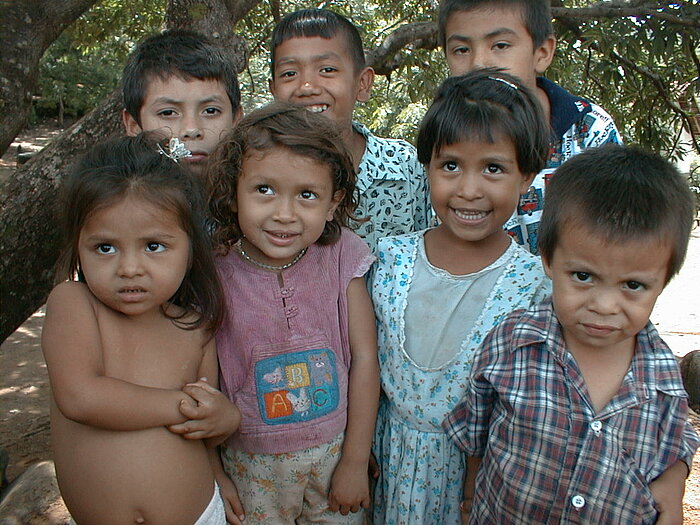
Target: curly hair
278	125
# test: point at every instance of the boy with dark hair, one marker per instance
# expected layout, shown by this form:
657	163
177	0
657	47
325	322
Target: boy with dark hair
517	35
181	83
575	410
317	61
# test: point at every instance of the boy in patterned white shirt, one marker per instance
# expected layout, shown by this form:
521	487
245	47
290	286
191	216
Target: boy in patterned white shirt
318	62
517	35
575	410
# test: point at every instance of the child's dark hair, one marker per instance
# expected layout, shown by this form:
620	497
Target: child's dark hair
323	23
133	167
482	105
621	193
182	53
279	125
537	15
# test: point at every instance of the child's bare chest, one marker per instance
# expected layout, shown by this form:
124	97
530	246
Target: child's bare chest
157	354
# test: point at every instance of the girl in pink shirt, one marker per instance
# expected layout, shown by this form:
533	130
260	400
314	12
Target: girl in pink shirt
298	349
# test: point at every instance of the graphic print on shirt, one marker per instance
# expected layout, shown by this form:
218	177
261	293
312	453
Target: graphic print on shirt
299	386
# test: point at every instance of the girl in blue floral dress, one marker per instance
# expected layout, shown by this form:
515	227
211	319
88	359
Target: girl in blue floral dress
438	292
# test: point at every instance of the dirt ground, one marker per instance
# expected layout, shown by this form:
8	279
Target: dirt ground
24	388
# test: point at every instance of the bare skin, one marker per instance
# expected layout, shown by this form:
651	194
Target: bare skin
117	384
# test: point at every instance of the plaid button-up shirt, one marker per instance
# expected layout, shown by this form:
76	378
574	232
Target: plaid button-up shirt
547	456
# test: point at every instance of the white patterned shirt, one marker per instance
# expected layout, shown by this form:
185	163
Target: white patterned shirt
393	189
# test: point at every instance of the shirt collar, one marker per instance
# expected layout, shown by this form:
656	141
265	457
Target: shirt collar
565	109
373	163
653	365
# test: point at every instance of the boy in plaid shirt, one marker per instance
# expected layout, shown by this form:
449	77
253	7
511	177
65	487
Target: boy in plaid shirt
575	411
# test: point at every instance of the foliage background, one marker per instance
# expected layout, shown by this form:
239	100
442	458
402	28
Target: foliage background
643	70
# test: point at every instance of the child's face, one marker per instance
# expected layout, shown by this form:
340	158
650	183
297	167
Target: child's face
319	73
198	112
475	187
493	37
134	255
604	293
283	201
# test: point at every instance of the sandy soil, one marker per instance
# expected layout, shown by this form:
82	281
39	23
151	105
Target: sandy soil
24	388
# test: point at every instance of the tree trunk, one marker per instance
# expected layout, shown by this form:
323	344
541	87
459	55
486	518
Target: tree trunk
29	229
29	243
27	29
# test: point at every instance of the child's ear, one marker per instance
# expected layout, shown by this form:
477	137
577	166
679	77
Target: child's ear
546	266
335	202
544	54
237	116
526	182
131	127
365	83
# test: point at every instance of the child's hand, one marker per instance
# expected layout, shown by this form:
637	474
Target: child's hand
465	508
668	491
214	416
349	488
235	514
373	468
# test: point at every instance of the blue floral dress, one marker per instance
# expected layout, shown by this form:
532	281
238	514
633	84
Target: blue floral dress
422	472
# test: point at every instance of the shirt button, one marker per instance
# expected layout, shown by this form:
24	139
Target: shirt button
578	501
596	426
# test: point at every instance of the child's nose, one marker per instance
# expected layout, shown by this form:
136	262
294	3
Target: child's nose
469	187
308	86
284	210
190	128
130	265
604	302
192	133
480	59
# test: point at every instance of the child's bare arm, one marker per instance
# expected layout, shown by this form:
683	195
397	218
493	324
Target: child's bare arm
350	484
83	393
465	505
235	514
214	417
668	490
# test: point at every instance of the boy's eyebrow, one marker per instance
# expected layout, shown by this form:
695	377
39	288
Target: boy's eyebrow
312	58
501	31
170	100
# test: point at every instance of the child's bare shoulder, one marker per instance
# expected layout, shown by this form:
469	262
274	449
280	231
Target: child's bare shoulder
70	294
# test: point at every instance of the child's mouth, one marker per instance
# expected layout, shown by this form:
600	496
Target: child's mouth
320	108
470	215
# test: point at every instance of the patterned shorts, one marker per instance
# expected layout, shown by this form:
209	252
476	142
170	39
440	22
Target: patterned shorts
290	488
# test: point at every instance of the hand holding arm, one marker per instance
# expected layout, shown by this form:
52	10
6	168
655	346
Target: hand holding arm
214	417
73	351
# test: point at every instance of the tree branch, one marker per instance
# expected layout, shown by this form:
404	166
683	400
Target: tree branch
418	35
423	35
26	31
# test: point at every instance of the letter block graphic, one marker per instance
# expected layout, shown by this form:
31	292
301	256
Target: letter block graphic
297	375
277	404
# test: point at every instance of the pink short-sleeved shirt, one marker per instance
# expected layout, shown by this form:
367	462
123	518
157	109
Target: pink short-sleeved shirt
284	351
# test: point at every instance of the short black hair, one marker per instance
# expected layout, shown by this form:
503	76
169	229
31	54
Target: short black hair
323	23
183	53
133	167
537	15
480	105
621	193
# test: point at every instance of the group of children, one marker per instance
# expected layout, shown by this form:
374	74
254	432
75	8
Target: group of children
321	321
